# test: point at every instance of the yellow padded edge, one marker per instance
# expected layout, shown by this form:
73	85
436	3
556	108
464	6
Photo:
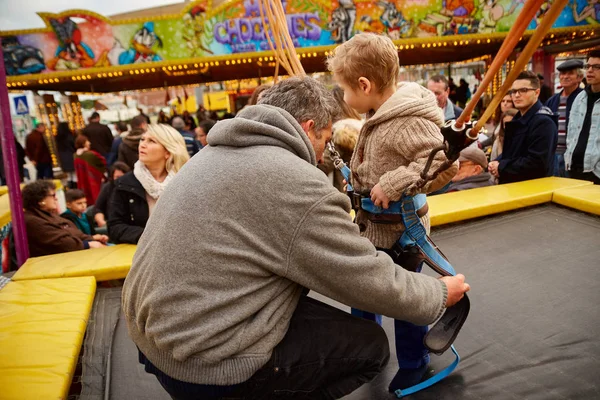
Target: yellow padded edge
583	198
42	324
112	262
5	214
473	203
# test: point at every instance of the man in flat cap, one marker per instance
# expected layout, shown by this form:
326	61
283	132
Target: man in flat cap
472	172
570	74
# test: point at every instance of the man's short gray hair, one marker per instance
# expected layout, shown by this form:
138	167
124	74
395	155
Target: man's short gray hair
178	123
304	98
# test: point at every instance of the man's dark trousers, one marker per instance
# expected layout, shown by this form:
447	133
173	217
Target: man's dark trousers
326	354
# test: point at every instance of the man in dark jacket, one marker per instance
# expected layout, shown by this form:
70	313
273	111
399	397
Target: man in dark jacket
128	149
100	136
38	152
570	75
530	138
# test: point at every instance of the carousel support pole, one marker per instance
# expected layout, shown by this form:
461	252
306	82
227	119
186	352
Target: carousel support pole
11	169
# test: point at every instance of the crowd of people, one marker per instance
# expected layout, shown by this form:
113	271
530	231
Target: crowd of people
251	211
526	140
107	203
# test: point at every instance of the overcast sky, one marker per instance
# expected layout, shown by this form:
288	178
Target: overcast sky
21	14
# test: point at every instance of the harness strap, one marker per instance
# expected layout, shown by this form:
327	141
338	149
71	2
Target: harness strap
432	380
416	235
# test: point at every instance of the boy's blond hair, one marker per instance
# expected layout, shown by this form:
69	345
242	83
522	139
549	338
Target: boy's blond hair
368	55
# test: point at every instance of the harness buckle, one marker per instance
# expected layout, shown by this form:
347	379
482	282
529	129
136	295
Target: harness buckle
355	200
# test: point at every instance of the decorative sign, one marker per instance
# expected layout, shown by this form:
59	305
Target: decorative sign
75	40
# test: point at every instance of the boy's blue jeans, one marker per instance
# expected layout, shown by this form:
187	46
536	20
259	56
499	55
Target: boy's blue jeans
410	350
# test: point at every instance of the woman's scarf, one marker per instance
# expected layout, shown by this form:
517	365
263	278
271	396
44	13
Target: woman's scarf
151	185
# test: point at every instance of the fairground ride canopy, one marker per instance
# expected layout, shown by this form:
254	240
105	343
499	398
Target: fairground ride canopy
82	51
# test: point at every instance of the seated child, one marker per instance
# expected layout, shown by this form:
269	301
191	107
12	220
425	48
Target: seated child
76	206
402	127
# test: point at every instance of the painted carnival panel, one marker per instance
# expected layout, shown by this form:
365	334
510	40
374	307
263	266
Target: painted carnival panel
81	39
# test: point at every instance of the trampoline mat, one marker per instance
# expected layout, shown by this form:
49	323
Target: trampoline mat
532	332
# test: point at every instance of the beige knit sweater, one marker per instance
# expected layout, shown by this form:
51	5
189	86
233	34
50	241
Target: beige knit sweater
392	150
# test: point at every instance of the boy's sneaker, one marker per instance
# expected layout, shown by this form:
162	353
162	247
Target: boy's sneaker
406	378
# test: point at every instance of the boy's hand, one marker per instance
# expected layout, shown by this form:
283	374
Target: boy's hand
378	197
493	168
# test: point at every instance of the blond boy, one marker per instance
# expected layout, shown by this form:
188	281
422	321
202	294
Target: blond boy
402	128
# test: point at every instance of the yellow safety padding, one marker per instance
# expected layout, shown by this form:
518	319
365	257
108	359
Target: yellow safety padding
583	198
5	214
473	203
42	324
112	262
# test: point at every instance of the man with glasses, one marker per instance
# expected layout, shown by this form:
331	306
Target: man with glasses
570	74
582	157
530	138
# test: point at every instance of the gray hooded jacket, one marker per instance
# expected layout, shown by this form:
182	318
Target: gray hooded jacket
238	233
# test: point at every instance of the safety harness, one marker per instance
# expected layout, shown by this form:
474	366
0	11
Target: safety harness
415	247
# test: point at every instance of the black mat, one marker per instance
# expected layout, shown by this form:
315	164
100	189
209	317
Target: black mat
533	328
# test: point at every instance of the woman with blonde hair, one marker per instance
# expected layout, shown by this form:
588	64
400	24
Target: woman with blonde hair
162	153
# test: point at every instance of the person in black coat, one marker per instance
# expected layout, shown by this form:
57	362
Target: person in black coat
101	206
530	138
20	163
129	210
65	144
100	135
162	153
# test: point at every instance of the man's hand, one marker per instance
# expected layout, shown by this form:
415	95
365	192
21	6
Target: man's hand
95	244
101	238
493	168
100	220
456	288
378	197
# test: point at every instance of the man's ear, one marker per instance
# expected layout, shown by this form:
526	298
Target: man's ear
307	126
365	85
478	169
